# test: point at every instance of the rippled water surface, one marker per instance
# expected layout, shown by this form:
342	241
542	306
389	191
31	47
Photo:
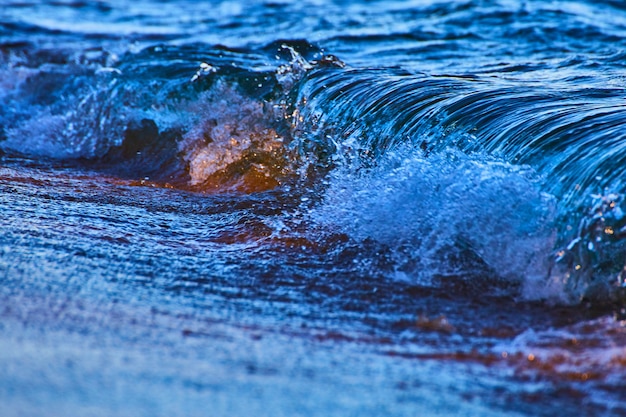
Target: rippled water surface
312	208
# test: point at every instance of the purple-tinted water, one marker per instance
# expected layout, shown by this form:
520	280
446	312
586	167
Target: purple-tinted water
312	208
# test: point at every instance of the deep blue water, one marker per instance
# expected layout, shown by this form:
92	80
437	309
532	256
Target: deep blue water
312	208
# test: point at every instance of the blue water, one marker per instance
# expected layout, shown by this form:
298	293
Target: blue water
312	208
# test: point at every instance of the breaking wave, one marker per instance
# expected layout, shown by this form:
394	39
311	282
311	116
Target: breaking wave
455	176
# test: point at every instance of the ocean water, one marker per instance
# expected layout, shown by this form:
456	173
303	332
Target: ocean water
312	208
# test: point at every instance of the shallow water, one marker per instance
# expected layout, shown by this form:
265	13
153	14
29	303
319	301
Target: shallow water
276	208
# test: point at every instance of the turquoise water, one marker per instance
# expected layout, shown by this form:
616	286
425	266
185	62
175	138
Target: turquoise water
312	208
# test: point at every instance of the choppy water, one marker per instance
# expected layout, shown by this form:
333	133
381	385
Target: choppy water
312	208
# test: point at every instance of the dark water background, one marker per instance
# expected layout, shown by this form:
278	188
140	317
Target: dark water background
312	208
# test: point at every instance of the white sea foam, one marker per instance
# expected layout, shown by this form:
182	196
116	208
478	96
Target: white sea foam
428	207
